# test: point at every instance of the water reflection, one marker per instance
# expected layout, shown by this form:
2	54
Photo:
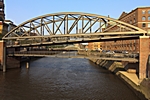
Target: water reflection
58	78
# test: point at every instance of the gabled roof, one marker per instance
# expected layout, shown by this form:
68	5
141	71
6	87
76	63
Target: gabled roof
125	14
122	15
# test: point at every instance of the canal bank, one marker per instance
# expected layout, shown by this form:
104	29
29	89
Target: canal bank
128	75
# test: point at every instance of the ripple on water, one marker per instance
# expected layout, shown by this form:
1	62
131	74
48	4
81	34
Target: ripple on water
62	78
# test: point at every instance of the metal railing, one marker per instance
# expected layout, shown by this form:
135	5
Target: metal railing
74	54
112	55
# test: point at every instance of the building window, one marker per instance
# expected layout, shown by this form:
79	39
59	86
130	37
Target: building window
130	21
148	17
143	11
148	31
143	25
148	25
148	11
134	20
143	18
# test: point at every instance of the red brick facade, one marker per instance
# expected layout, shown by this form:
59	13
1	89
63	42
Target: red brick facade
139	17
144	54
121	45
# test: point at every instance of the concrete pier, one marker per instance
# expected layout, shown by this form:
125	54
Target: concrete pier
143	56
27	65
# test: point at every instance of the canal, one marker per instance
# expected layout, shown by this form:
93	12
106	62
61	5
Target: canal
62	79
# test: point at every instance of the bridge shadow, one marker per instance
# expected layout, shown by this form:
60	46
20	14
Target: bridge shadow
116	66
132	67
113	66
148	68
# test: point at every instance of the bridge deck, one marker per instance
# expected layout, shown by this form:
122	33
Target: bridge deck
70	55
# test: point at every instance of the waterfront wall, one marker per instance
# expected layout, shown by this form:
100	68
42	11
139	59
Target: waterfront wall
145	87
127	71
13	62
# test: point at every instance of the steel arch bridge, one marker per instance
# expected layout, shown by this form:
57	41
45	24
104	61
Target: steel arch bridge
70	27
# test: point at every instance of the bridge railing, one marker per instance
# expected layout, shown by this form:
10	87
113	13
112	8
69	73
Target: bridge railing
72	53
107	54
42	53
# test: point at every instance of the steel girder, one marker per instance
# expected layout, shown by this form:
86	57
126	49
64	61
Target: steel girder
69	26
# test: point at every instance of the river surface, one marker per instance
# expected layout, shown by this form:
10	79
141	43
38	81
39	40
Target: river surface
62	79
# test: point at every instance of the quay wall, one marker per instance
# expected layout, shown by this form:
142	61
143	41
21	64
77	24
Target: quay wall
127	72
11	62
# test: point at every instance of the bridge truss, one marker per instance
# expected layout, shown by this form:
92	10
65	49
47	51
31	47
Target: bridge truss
70	27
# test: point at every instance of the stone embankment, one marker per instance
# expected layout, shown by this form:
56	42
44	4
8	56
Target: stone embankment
127	72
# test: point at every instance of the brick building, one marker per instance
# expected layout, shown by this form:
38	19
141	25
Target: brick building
139	17
2	17
5	25
2	14
95	46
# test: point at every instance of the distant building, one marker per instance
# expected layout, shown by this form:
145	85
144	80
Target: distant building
139	17
2	14
5	25
95	45
10	24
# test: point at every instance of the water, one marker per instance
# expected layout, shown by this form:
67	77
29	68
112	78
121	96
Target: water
62	79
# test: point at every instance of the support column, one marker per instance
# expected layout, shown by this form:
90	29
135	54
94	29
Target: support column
143	56
3	55
27	65
4	58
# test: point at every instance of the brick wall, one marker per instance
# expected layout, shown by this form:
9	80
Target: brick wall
144	54
1	53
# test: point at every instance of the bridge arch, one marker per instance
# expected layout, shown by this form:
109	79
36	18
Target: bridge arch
66	26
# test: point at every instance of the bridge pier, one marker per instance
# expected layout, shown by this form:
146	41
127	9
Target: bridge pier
4	58
3	55
143	56
27	65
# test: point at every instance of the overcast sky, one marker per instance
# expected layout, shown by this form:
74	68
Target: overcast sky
22	10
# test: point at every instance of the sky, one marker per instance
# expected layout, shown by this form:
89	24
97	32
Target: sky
20	11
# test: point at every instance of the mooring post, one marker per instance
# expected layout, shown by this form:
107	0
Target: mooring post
27	65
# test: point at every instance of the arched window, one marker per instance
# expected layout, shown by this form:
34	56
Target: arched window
143	18
148	17
148	11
